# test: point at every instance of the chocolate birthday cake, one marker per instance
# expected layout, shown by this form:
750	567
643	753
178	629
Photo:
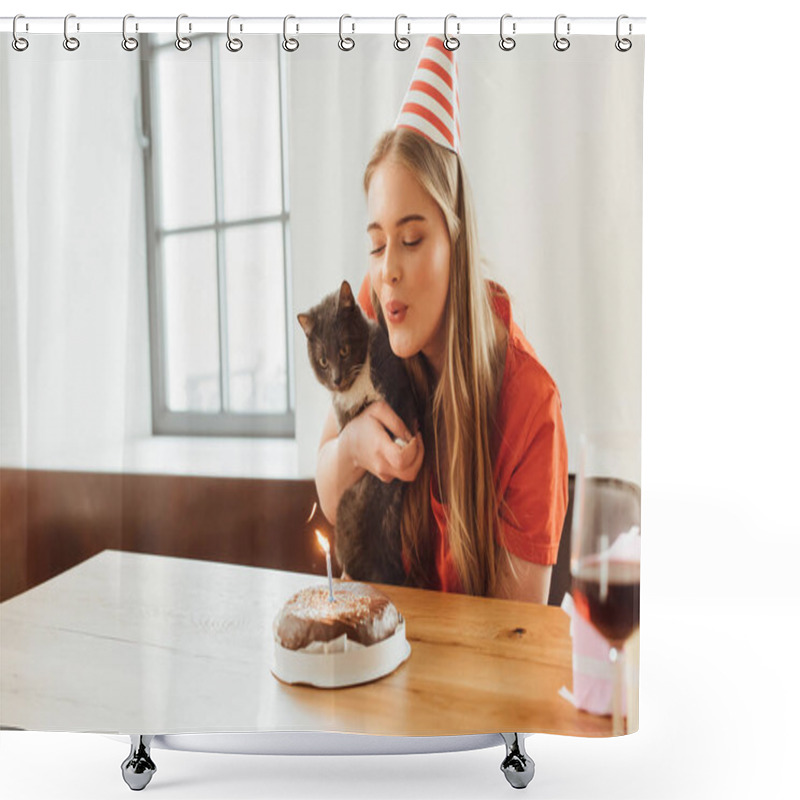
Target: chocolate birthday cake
358	637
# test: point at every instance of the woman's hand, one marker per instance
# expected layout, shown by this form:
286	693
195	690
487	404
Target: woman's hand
363	444
374	449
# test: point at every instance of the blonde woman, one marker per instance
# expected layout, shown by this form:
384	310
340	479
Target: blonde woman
487	474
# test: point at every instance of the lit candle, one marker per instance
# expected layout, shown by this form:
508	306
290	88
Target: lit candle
313	511
323	543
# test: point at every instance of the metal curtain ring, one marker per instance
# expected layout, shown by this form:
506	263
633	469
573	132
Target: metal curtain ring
451	42
18	42
623	45
400	42
70	42
345	42
289	44
234	45
183	43
128	42
561	43
506	42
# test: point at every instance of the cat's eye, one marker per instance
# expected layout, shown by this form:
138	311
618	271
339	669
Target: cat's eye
323	362
344	350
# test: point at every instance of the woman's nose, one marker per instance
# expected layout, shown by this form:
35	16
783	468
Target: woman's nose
392	269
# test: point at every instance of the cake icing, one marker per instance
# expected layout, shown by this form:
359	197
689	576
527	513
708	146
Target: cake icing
360	611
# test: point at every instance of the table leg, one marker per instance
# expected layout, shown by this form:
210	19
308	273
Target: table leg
138	768
517	766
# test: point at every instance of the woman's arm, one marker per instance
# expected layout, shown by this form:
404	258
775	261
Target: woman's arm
518	579
336	468
364	445
535	497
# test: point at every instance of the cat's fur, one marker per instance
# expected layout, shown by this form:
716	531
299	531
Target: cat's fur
368	515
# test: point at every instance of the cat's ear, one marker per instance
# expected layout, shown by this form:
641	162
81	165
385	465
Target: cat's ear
306	323
346	299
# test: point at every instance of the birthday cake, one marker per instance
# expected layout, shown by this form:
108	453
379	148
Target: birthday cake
358	637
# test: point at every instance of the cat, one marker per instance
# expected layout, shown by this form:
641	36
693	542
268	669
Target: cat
352	358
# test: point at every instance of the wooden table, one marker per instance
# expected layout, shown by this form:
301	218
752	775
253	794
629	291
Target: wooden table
132	643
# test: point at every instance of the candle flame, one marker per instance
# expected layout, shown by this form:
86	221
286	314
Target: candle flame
313	511
323	542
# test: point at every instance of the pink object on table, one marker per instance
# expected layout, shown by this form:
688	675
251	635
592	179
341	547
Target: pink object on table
592	671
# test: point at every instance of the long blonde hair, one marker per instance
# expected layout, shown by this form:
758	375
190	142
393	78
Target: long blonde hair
460	408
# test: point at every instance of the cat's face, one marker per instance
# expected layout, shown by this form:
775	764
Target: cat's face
338	339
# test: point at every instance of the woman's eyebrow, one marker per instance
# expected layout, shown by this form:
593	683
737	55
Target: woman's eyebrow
401	221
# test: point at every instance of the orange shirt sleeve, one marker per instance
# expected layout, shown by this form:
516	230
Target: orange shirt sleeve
534	472
364	299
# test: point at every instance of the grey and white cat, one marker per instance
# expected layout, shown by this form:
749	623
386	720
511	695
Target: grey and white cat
351	356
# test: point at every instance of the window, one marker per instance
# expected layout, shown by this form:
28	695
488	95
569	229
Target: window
218	236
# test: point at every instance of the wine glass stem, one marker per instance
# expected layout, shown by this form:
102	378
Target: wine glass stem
617	720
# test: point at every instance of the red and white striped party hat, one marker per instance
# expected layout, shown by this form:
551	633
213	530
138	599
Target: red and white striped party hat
431	105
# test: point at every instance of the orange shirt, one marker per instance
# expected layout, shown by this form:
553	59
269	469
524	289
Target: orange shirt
530	470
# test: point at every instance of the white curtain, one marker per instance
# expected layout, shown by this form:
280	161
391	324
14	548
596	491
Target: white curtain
74	269
552	146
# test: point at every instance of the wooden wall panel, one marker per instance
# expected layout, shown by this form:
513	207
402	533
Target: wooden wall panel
13	532
52	520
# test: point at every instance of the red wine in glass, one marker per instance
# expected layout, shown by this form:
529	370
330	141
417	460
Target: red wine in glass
607	594
606	545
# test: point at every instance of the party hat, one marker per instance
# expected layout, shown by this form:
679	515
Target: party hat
431	105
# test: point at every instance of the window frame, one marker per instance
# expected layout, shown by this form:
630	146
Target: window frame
166	422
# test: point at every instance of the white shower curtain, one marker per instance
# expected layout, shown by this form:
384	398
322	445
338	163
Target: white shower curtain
103	293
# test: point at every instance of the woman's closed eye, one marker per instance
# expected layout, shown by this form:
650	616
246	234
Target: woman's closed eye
407	244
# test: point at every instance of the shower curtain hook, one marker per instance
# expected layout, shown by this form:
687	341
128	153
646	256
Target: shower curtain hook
561	43
451	42
507	42
18	42
345	42
70	42
290	44
234	45
183	43
623	45
400	42
129	43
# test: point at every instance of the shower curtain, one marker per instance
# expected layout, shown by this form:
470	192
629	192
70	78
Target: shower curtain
167	214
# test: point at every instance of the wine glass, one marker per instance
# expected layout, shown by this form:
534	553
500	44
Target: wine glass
606	540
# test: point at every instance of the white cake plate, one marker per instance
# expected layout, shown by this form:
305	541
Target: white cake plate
356	663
